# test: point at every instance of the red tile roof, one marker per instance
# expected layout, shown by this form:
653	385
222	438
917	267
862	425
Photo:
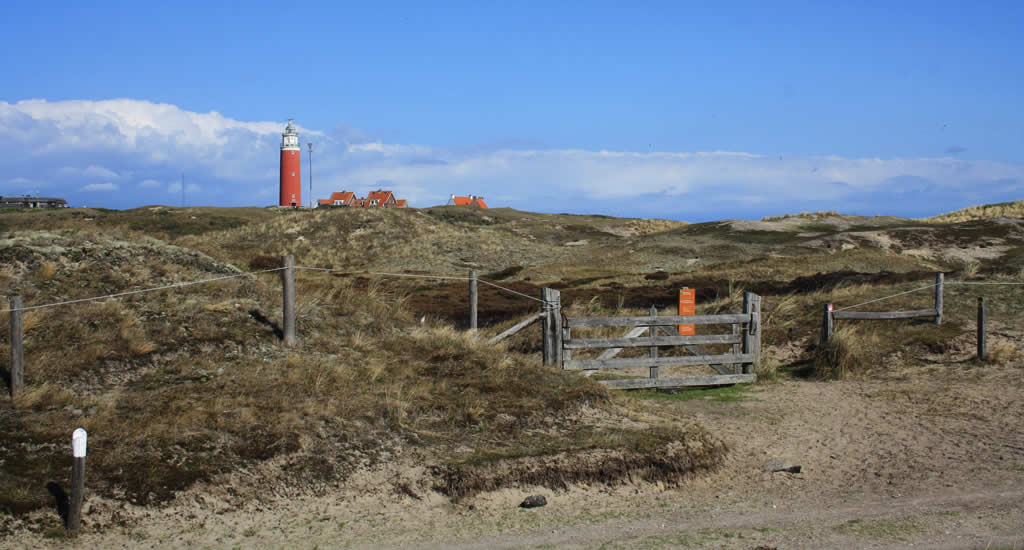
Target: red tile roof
346	197
469	201
380	196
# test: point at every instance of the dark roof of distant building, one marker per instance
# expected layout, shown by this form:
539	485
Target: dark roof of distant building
9	198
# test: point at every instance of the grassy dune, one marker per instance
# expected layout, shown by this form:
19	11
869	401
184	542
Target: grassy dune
1014	209
186	386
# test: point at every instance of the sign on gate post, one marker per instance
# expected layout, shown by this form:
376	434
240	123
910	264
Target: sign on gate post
687	306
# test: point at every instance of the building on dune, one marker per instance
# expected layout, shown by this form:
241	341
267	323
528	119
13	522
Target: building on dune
338	198
379	198
32	202
471	200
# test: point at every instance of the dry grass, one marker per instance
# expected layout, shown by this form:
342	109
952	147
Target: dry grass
1001	354
658	454
1013	209
803	216
192	384
183	386
851	350
47	271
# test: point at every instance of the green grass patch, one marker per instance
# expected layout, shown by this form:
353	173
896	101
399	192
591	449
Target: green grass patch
724	394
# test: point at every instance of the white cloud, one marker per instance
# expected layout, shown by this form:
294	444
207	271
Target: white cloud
568	176
125	133
112	140
89	171
388	149
84	123
108	186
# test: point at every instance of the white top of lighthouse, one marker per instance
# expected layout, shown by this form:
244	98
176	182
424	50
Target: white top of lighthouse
290	138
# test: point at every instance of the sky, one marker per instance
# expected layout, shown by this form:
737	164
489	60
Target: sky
680	110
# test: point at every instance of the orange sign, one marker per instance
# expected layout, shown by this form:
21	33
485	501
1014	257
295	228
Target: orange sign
687	306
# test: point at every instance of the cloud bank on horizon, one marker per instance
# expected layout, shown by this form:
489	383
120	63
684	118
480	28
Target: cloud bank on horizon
122	153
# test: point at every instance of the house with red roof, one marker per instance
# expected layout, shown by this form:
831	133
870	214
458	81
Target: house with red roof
471	200
338	198
380	197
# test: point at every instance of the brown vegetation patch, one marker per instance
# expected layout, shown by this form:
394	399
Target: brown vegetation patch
655	454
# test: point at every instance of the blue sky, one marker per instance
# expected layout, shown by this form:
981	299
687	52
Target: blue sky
678	110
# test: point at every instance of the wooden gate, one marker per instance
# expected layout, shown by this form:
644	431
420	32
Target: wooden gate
743	361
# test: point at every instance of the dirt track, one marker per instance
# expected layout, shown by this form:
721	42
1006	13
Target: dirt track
930	456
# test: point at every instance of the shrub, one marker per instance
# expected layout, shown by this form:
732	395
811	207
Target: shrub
850	350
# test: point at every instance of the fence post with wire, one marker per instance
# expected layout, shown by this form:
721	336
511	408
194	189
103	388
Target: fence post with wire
288	290
935	312
981	328
551	326
17	346
472	300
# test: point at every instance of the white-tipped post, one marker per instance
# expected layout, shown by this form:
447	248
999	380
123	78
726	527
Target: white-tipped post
78	448
79	440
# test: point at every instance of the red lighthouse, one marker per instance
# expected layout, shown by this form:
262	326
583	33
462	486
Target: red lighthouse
291	178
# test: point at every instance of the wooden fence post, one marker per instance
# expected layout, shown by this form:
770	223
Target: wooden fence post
566	335
826	325
288	279
547	328
653	331
755	309
557	317
981	328
747	335
752	334
737	368
472	300
17	346
552	326
939	280
78	448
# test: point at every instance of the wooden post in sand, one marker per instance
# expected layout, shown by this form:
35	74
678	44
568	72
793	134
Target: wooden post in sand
473	297
78	444
17	346
552	326
826	325
653	333
288	313
981	328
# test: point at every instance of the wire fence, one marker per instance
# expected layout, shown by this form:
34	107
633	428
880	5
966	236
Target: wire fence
545	304
420	276
248	273
931	286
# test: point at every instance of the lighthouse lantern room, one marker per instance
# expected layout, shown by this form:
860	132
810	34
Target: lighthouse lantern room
291	179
